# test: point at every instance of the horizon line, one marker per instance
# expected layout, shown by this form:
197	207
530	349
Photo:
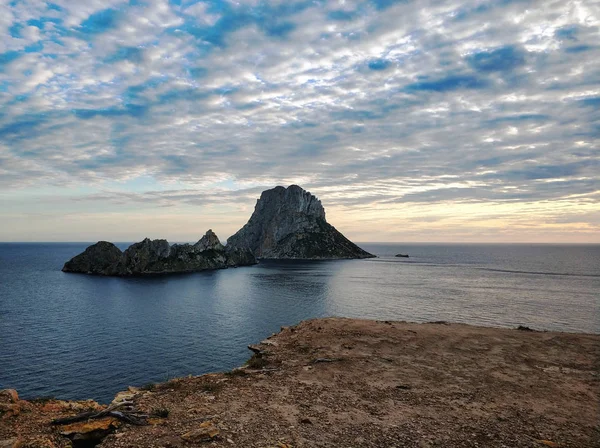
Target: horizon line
357	242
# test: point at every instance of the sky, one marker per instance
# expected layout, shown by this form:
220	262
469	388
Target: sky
422	121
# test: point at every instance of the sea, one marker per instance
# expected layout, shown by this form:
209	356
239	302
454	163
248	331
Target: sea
74	336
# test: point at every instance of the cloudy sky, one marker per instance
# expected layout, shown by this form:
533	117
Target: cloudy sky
424	120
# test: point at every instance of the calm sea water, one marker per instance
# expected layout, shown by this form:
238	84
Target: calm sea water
76	336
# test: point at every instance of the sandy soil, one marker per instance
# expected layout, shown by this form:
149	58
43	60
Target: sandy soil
357	383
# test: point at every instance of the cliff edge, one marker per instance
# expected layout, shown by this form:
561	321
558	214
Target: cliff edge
348	383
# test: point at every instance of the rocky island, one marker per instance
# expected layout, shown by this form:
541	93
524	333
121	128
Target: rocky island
289	223
158	257
348	383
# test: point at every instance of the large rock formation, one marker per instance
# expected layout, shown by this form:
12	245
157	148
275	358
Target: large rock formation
158	257
290	223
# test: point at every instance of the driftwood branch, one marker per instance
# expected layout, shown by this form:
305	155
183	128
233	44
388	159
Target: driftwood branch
257	351
127	415
74	419
128	418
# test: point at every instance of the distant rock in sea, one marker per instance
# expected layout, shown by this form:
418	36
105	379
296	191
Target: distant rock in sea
158	257
289	223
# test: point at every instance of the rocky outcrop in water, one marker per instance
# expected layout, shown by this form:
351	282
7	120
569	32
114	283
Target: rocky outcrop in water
158	257
102	258
290	223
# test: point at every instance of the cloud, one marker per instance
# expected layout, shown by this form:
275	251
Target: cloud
372	104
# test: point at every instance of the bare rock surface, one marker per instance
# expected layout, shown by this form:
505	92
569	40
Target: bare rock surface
210	241
102	258
358	383
289	223
158	257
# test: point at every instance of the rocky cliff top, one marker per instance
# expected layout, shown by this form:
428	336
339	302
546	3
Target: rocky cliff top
292	200
290	223
349	383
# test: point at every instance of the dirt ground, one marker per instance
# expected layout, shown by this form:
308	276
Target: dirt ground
356	383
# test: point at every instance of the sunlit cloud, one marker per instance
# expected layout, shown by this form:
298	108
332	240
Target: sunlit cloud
466	121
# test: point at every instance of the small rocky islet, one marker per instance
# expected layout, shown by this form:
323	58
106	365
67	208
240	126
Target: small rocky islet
158	257
287	223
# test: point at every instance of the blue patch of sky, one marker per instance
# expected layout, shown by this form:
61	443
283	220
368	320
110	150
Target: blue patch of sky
341	15
100	22
18	99
176	164
567	32
36	22
379	64
271	19
24	127
249	106
197	72
119	141
302	124
279	29
189	94
465	13
15	30
133	54
501	59
132	110
517	118
132	93
34	48
356	115
579	48
385	4
549	171
41	21
449	83
8	57
590	102
54	7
